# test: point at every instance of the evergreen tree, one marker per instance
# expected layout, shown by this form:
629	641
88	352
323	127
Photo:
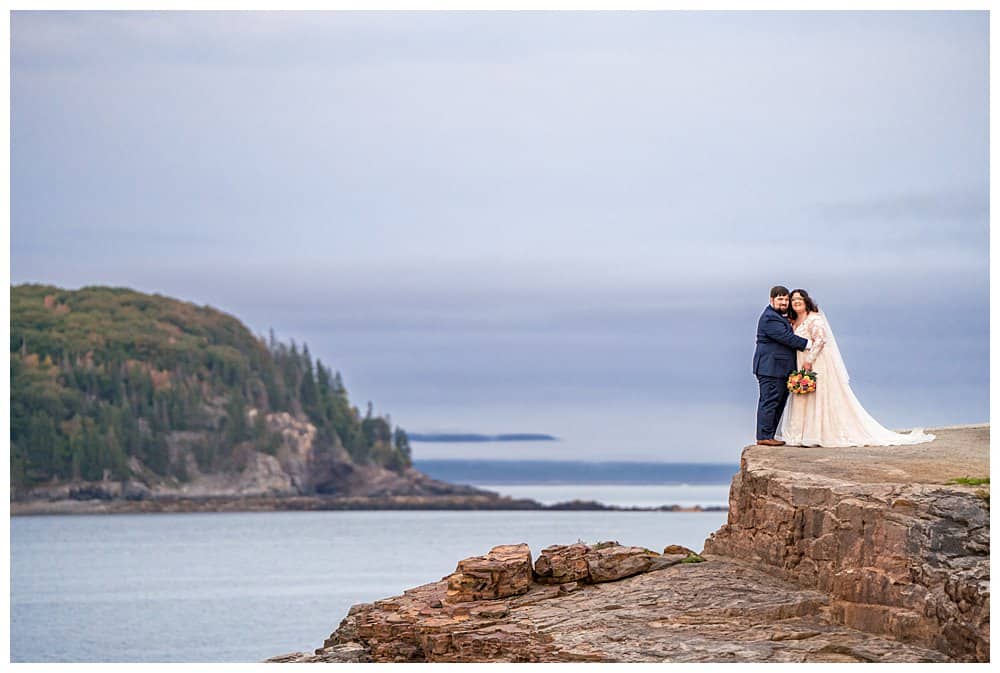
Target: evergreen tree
402	444
120	372
237	428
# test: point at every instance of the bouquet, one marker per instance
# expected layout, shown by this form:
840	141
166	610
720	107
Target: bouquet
802	382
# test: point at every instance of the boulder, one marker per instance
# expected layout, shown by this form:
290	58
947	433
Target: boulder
504	571
603	562
560	564
614	562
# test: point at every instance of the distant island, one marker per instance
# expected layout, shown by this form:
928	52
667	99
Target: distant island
469	437
140	401
123	401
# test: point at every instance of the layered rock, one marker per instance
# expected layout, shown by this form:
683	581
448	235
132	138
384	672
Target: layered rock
505	571
865	554
603	562
721	610
561	564
899	550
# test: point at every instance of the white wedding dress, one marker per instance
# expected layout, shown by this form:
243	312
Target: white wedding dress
832	416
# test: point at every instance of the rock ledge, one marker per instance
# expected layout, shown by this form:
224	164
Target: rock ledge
865	554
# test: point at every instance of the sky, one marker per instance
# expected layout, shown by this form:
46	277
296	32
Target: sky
558	222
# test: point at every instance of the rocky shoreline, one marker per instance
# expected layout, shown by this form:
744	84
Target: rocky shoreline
297	477
484	500
875	554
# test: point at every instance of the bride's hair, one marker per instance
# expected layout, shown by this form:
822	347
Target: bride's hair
810	304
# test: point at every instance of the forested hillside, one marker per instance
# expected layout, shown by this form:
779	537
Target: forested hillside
103	376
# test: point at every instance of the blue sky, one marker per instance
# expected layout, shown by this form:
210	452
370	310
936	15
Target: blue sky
529	222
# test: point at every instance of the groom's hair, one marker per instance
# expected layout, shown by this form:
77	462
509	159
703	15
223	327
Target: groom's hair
778	291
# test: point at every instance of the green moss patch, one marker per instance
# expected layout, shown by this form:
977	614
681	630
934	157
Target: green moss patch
971	481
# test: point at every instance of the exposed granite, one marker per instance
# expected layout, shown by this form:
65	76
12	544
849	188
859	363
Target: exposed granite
864	554
899	550
300	474
721	610
505	571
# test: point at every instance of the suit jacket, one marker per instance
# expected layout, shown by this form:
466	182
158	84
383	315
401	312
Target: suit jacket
776	345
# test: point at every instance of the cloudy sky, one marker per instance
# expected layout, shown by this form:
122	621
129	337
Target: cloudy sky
529	222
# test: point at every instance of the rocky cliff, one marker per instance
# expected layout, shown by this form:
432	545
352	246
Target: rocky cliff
898	549
861	554
295	476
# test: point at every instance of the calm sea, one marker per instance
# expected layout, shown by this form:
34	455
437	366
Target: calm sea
510	471
241	587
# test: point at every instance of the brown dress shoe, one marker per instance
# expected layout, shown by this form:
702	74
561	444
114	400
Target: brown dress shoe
770	442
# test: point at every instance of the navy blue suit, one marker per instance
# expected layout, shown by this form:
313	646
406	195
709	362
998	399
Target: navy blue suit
773	361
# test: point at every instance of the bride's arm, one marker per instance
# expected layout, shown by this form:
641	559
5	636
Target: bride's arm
817	337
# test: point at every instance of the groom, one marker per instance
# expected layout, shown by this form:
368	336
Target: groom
773	361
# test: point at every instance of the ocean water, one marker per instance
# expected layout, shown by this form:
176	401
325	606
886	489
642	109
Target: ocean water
241	587
516	471
625	484
638	495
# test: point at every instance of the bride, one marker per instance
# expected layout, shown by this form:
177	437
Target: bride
831	416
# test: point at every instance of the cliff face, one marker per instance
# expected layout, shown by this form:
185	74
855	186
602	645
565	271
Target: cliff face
899	551
862	554
262	480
